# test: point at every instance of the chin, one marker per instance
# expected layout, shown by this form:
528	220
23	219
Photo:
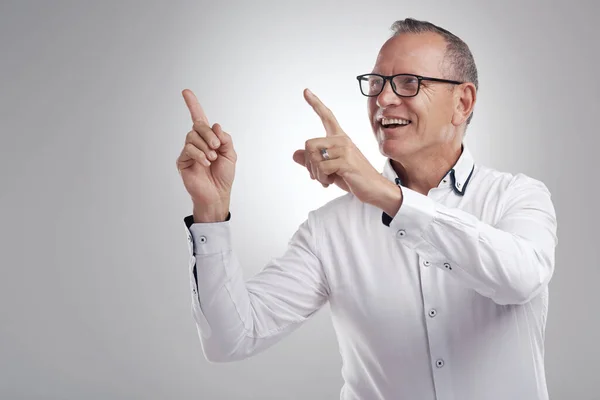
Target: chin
399	149
396	147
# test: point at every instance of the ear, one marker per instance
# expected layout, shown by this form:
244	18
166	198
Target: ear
465	97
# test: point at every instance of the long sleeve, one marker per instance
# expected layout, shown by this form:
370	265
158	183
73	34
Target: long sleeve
238	318
510	262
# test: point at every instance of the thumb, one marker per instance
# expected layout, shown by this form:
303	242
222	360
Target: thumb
299	157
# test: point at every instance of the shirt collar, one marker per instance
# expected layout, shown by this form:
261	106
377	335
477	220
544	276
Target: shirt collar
457	177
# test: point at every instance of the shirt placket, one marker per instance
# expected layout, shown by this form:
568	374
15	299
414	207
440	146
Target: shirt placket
435	317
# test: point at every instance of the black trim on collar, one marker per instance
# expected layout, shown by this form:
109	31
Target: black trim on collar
457	190
387	220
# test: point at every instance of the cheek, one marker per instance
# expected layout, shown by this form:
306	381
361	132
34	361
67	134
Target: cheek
427	114
441	111
415	109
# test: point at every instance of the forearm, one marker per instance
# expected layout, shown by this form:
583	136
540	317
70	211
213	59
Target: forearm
238	318
510	262
226	321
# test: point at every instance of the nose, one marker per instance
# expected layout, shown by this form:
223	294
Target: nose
387	97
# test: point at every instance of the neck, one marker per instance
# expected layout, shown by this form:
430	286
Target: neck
424	171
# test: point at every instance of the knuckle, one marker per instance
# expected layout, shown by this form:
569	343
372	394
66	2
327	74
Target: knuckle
198	125
190	135
192	151
199	142
345	141
190	147
202	130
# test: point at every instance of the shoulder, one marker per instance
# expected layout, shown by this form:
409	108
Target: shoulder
489	179
512	193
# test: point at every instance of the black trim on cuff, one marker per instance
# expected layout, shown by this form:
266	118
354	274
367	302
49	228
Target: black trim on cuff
189	220
386	219
196	277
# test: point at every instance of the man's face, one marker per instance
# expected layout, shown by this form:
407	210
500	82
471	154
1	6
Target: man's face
430	112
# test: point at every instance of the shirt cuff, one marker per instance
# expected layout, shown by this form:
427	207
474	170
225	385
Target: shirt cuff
415	215
205	243
208	237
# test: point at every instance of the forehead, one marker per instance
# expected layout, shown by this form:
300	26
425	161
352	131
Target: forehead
420	54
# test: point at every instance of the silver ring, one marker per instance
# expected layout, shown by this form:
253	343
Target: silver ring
325	154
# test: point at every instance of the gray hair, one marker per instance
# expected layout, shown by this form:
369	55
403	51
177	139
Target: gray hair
458	56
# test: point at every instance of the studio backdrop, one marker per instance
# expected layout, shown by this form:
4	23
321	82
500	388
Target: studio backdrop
94	290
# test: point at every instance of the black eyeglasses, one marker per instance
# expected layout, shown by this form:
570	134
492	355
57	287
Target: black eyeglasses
404	85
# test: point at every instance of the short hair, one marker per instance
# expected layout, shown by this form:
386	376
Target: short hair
458	56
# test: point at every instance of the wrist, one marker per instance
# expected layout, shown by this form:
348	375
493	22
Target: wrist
390	199
211	213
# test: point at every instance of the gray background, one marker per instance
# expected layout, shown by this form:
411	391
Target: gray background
94	293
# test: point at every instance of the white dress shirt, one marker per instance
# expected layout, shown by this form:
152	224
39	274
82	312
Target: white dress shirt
447	300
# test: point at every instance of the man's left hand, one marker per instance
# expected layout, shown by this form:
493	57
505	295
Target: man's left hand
347	167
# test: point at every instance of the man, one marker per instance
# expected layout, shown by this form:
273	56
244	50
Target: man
436	270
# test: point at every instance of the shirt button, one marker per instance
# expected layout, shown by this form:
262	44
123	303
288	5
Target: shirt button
401	233
203	239
426	263
447	266
439	363
432	312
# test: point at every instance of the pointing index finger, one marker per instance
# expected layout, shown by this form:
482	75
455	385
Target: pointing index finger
194	106
332	127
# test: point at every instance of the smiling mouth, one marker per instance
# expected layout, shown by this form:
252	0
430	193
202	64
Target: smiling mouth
392	123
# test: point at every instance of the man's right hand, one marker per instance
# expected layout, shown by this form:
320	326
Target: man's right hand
207	168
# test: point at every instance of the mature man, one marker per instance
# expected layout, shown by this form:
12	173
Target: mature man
436	270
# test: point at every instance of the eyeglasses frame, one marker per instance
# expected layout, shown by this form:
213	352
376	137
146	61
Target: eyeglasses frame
391	77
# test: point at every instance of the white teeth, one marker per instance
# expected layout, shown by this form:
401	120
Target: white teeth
389	121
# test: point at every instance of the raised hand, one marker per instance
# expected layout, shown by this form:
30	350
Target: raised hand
347	167
207	165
